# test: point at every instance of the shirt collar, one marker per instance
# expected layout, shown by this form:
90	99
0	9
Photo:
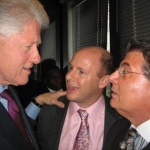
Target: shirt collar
144	130
53	90
2	88
98	105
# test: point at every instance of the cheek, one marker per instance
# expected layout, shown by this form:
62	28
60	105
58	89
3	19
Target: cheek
134	89
126	91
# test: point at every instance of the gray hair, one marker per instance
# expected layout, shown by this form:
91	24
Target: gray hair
15	14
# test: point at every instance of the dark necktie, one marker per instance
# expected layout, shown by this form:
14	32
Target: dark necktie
82	138
128	143
15	114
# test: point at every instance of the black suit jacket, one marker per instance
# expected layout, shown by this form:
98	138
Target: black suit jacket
51	120
30	90
117	133
10	135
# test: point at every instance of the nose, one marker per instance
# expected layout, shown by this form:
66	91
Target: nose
70	75
113	78
35	56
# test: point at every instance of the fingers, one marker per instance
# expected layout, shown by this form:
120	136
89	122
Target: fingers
51	98
55	101
62	93
59	104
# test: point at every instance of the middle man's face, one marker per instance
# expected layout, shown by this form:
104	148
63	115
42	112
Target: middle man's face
82	80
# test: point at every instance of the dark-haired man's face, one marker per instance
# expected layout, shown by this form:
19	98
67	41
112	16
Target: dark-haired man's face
130	87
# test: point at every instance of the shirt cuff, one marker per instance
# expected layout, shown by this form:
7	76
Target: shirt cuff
32	110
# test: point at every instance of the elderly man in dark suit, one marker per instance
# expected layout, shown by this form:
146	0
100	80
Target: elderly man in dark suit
58	129
21	22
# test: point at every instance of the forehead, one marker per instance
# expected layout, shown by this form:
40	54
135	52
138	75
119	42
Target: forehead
31	32
133	59
86	57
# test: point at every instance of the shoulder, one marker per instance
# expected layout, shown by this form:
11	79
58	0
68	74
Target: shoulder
116	134
54	110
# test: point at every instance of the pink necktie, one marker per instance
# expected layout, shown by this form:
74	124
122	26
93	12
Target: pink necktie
15	113
82	138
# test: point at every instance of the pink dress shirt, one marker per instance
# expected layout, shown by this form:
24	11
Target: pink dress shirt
72	123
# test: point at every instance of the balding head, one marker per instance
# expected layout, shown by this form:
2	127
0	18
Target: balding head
99	54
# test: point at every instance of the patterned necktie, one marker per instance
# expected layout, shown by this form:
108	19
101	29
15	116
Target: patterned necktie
14	112
82	138
128	143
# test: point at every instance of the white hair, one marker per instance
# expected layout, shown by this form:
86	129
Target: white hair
15	14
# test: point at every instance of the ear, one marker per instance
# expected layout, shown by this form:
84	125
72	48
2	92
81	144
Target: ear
103	81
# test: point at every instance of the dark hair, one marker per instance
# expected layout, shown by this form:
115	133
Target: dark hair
107	63
48	65
142	46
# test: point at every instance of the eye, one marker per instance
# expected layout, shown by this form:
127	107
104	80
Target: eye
81	72
124	71
70	67
27	48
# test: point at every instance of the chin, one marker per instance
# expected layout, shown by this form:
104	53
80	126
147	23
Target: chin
112	103
70	97
23	82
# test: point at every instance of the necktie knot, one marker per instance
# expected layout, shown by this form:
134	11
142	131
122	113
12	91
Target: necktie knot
83	114
7	96
133	133
128	143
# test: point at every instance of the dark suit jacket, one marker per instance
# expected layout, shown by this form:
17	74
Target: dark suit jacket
10	136
51	120
117	133
30	90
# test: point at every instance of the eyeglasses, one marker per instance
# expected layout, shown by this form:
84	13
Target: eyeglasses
123	71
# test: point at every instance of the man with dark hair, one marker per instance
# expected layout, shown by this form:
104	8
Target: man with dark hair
131	98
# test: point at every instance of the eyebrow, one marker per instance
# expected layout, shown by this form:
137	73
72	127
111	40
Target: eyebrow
124	64
79	68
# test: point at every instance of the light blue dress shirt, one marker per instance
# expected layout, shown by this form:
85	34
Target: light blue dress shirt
32	110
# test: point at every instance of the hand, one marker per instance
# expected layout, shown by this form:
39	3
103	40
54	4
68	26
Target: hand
51	98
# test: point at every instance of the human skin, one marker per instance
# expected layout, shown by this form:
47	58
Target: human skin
131	92
18	54
84	86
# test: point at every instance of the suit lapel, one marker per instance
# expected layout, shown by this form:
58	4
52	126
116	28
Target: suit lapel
25	118
9	133
61	115
111	116
116	134
51	120
147	147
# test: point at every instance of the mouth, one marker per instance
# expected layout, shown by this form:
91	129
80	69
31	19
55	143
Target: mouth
28	70
113	94
71	89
